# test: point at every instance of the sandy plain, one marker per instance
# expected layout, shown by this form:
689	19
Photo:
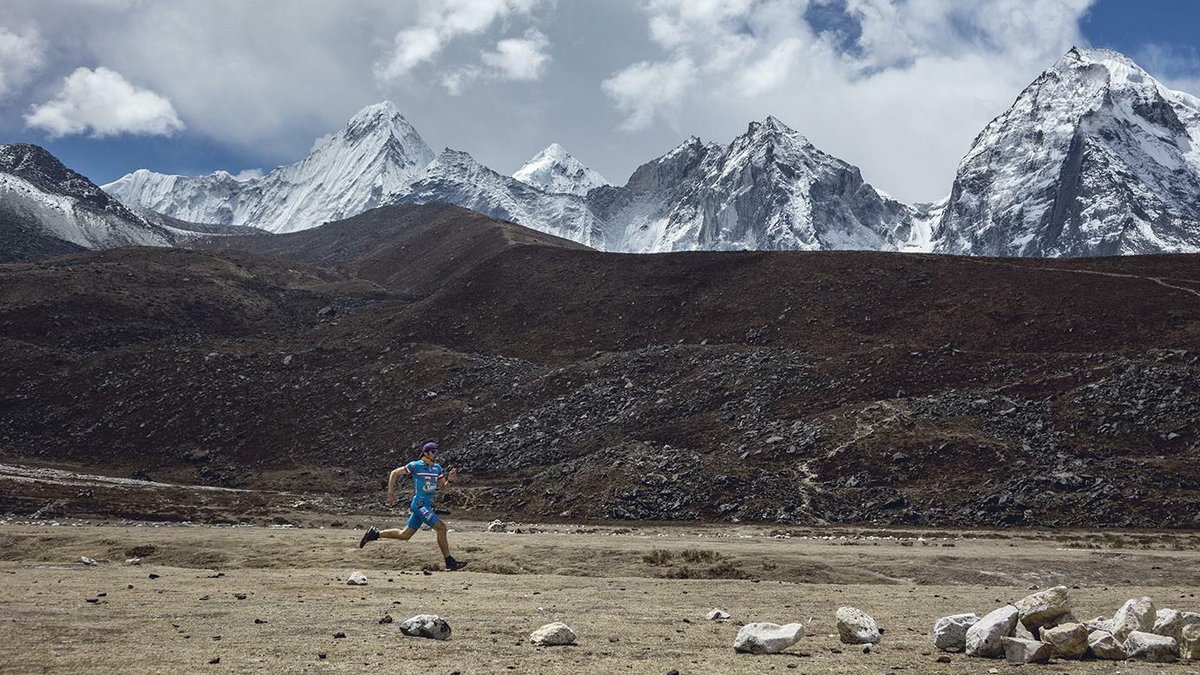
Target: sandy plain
275	599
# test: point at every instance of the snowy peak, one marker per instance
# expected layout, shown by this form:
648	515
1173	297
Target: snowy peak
556	170
375	154
1095	157
48	209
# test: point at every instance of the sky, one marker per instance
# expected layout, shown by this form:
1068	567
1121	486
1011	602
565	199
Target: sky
899	88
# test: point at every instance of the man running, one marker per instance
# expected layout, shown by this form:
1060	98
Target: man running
427	477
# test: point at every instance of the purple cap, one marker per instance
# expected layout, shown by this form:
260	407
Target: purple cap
431	448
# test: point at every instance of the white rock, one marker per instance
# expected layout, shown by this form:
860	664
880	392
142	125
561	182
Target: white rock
1169	622
856	627
1104	645
950	632
717	615
86	560
1018	650
1040	608
1069	640
497	526
429	626
133	561
1189	642
553	634
767	638
1137	614
1142	646
984	638
356	579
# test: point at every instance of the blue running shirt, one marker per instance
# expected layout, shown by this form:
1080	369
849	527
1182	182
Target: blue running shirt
424	480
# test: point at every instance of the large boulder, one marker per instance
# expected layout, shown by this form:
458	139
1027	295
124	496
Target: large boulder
553	634
1069	640
1017	650
1104	645
950	632
1137	614
1189	642
1041	608
767	638
1150	647
856	627
985	637
429	626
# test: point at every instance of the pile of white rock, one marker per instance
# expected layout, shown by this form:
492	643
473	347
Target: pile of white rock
855	627
1041	626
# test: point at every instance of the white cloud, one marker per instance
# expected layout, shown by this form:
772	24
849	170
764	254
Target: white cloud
1176	67
520	58
898	87
647	90
21	55
442	21
248	174
104	103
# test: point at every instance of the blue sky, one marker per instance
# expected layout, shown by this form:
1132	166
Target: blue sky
897	87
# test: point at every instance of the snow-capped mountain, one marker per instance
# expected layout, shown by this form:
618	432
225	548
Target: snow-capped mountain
377	153
48	209
1095	157
457	178
769	189
556	170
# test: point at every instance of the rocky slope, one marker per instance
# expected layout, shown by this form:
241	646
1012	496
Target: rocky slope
786	387
48	209
1094	158
377	153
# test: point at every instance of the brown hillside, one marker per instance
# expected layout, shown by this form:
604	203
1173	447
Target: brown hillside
791	387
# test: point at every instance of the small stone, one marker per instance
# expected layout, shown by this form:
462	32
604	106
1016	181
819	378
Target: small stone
429	626
153	576
1137	614
767	638
339	635
1040	608
93	600
717	615
1189	642
387	618
856	627
866	649
497	526
1141	646
321	655
240	596
215	660
133	561
950	632
943	659
1017	650
1104	645
1069	640
356	579
984	638
86	560
553	634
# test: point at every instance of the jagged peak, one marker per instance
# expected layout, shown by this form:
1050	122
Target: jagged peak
375	120
773	127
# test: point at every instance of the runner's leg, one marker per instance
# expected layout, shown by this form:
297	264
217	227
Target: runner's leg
403	535
443	543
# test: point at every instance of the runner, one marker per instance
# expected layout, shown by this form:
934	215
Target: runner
427	477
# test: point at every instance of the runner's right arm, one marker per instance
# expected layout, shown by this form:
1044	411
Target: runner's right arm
392	478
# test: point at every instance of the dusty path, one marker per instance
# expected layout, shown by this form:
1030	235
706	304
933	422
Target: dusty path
605	581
